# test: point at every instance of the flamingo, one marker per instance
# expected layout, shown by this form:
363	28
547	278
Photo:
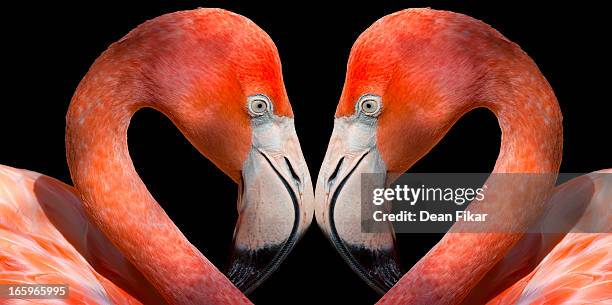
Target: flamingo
410	77
218	77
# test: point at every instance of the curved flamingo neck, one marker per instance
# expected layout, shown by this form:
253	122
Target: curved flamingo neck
530	120
119	203
532	132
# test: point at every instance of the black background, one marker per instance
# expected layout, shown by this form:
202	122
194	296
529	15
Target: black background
48	49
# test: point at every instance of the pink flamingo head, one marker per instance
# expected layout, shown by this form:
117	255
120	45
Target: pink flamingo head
410	77
218	77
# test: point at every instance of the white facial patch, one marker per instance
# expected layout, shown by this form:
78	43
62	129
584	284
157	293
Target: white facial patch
352	151
275	179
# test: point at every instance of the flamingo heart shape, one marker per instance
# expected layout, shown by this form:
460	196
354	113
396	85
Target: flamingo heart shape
218	77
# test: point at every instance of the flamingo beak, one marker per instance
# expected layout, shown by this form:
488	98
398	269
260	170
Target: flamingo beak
352	152
275	203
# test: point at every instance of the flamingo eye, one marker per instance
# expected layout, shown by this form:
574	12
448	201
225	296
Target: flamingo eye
258	105
370	105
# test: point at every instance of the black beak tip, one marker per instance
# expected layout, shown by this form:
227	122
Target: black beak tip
249	268
380	268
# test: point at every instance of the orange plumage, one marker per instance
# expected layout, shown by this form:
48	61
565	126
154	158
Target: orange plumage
426	69
197	67
46	238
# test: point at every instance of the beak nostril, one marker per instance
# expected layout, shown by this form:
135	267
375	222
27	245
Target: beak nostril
294	175
334	174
